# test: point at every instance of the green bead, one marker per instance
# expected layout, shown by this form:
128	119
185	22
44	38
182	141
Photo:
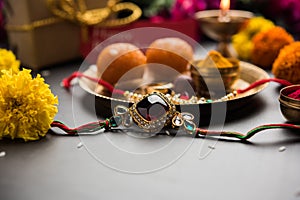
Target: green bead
115	121
209	101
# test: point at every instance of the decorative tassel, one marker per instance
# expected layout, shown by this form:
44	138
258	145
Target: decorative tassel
86	128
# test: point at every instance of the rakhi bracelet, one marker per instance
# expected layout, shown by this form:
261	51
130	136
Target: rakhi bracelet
176	98
155	112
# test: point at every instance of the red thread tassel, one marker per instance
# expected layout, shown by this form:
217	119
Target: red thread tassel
67	83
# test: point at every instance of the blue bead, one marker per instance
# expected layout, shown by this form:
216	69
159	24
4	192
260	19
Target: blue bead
189	126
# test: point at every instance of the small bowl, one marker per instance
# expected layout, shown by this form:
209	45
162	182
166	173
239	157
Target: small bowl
214	80
290	107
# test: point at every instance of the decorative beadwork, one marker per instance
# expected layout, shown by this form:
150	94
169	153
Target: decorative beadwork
177	99
153	112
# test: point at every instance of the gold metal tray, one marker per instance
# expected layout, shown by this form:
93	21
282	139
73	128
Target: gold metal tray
249	73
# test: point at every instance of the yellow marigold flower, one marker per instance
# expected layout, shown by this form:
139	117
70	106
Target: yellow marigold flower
267	44
8	61
287	64
27	106
242	41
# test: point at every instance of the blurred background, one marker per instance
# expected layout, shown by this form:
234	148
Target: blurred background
25	29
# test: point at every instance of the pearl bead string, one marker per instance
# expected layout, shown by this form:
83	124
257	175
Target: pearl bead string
177	99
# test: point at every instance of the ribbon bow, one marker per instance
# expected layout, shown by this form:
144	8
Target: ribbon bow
76	11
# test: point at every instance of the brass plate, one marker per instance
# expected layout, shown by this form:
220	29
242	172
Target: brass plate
249	73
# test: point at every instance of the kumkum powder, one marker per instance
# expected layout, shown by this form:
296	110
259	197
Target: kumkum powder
295	95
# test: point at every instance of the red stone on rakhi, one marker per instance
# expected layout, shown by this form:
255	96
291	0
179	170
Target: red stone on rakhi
152	107
295	95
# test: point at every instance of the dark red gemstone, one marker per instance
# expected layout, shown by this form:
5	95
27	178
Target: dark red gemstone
152	107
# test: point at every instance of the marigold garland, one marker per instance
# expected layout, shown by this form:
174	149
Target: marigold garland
242	41
287	64
8	61
267	44
27	106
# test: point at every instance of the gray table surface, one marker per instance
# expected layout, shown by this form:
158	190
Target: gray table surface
120	166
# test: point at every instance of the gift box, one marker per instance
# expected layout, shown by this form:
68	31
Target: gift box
96	35
40	46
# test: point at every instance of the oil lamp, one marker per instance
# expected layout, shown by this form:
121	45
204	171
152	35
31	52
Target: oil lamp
222	24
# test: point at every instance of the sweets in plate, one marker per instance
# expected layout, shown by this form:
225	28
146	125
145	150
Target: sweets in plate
164	59
117	59
172	52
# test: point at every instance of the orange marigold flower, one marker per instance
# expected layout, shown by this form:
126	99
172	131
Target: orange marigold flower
287	64
267	44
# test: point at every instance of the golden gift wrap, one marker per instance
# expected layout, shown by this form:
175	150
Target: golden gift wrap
40	46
